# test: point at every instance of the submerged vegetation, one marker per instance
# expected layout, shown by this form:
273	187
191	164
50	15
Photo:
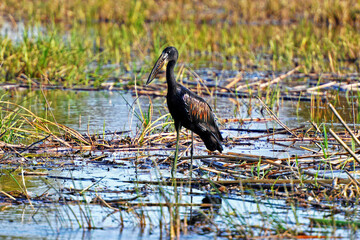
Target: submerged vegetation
283	77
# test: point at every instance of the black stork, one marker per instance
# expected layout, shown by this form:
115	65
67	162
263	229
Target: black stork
186	108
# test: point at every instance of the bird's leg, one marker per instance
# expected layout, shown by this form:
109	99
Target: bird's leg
191	158
191	168
175	225
173	168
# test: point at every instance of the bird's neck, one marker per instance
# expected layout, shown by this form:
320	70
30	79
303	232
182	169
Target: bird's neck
170	76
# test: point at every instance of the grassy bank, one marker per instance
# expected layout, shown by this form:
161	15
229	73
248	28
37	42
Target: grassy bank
75	42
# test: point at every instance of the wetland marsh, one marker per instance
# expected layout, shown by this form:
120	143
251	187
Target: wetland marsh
86	147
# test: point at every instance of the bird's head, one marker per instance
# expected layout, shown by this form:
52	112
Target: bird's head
169	54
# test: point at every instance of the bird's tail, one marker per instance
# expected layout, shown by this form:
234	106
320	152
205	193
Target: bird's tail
211	141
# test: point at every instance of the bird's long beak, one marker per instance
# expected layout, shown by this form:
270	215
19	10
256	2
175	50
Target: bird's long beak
157	67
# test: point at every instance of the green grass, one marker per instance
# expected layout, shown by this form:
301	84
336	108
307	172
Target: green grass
79	39
19	125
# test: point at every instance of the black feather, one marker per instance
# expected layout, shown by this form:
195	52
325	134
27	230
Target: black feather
188	109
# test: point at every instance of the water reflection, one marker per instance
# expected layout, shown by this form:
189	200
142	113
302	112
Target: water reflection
92	111
206	215
16	31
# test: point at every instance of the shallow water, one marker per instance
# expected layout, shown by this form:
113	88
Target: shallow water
112	177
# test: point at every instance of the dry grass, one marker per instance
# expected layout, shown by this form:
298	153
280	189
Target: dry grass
327	12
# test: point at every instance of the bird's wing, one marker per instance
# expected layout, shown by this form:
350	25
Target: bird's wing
200	113
197	109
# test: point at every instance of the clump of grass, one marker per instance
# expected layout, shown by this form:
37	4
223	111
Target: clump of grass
46	59
21	126
148	125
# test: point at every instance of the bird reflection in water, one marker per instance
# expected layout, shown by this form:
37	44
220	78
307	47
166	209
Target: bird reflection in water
205	215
